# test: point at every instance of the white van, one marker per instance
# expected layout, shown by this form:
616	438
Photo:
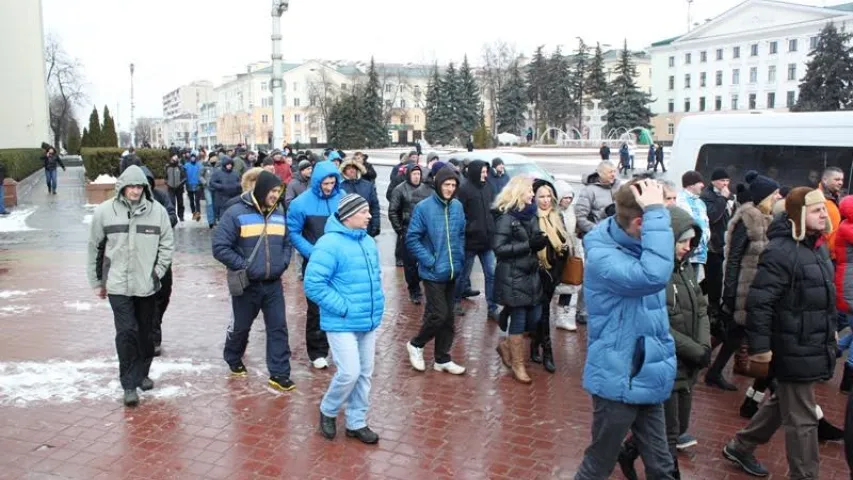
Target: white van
792	148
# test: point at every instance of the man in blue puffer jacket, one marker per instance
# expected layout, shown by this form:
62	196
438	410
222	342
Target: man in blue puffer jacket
344	279
194	190
306	221
257	218
630	364
436	237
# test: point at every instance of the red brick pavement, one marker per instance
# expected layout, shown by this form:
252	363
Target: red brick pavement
198	423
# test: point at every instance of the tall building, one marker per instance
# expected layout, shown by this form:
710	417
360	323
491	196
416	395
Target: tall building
750	58
187	99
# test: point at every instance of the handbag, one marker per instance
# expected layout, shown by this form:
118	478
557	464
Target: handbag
746	367
238	280
572	273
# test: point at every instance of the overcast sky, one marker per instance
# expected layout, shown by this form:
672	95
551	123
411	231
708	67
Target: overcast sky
173	42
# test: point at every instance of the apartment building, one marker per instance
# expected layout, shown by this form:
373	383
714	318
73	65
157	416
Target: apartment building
187	99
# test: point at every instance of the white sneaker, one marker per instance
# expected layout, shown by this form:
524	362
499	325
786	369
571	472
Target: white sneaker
449	367
320	363
416	357
566	321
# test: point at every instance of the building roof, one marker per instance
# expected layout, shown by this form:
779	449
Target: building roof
667	41
845	7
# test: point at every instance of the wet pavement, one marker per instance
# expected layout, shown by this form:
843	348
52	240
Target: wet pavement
61	416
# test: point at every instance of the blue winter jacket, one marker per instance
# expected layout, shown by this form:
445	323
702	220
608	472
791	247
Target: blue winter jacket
436	237
344	280
307	213
239	230
630	353
368	191
193	170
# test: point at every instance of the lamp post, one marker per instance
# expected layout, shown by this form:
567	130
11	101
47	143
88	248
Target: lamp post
581	77
278	9
132	105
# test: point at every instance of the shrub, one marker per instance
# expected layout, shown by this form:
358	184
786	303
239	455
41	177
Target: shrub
100	161
21	162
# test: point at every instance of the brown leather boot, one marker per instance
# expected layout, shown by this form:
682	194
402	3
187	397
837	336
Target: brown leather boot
504	352
516	347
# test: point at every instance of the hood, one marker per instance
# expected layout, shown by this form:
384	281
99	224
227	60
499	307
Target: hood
149	175
411	168
354	164
592	179
564	189
681	221
323	170
335	225
227	161
133	175
474	170
447	172
780	227
846	208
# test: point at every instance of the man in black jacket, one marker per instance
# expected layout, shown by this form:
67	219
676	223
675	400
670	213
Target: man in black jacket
720	205
790	325
399	173
476	196
403	200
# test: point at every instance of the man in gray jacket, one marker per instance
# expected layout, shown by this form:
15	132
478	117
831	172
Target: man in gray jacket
130	249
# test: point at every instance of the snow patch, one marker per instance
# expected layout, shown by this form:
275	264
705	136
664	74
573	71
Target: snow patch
87	219
4	294
16	221
14	310
105	179
83	306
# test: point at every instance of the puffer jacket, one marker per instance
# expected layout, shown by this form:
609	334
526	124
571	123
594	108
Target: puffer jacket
517	280
630	354
436	234
367	190
240	229
746	238
719	210
590	204
176	176
790	309
344	279
225	184
307	213
497	182
694	205
844	258
130	246
404	198
297	185
193	175
687	308
476	197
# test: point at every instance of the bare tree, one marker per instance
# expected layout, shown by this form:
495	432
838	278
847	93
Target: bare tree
65	86
498	57
323	93
142	130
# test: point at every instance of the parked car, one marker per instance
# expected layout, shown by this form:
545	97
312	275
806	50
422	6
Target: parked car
516	164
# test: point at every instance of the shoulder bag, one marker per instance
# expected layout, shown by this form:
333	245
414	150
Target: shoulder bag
238	280
572	270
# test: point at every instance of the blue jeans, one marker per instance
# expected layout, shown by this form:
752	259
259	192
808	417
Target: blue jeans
523	319
50	177
353	353
463	282
2	198
208	203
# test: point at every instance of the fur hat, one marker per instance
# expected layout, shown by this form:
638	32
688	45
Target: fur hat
796	204
353	164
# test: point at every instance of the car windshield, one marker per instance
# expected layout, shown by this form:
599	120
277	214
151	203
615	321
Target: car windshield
531	169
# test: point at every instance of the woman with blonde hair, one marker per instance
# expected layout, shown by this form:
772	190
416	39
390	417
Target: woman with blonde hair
518	286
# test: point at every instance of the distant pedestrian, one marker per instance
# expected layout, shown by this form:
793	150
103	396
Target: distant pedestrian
50	161
194	189
604	151
176	179
225	184
498	177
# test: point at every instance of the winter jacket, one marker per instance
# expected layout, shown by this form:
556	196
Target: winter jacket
240	229
694	205
51	161
517	281
344	279
370	172
206	173
604	151
176	176
746	239
624	154
225	184
307	213
476	197
128	160
367	191
630	353
399	174
161	197
130	246
436	235
590	204
790	309
571	222
719	210
283	170
497	182
404	198
832	202
844	258
240	165
192	170
687	308
298	184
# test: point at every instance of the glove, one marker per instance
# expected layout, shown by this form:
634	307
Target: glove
706	359
538	242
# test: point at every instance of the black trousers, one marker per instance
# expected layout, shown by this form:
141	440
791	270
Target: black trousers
659	162
315	339
176	195
134	340
161	299
195	197
731	343
410	271
438	321
714	282
400	247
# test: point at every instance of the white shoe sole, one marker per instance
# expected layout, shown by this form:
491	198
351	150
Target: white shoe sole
413	358
437	368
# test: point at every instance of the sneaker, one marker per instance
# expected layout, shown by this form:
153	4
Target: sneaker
686	441
238	370
281	383
747	461
328	427
827	432
449	367
416	357
146	384
320	363
457	310
470	293
365	434
415	299
131	398
3	214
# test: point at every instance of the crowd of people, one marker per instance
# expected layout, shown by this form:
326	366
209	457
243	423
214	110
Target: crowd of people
668	275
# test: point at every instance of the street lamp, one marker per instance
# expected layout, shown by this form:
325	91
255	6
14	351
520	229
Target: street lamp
132	106
581	76
278	9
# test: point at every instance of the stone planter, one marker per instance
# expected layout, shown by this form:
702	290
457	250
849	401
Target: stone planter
99	192
10	193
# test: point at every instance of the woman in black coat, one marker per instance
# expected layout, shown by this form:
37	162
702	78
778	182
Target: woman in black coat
518	286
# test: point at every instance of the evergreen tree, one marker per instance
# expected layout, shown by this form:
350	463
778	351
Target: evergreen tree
828	83
595	84
343	127
72	138
537	85
468	105
85	142
372	118
559	104
109	137
434	122
512	101
94	129
627	106
581	69
449	96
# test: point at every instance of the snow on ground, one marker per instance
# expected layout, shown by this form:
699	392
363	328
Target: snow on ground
23	383
105	179
14	310
87	219
4	294
16	221
84	306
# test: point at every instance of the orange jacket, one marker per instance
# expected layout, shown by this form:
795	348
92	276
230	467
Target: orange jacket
834	219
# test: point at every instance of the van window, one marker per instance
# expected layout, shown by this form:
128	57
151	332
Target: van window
789	165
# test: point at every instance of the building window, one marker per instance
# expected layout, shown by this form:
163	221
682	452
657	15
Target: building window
719	79
703	56
771	99
388	103
774	47
297	118
686	104
792	98
701	104
343	87
263	86
417	119
670	128
312	101
736	52
792	45
671	105
417	104
719	54
771	74
672	82
687	58
703	79
718	103
792	71
753	75
687	80
295	87
753	50
752	101
671	61
388	88
402	103
295	102
813	42
736	76
417	91
402	87
265	118
734	101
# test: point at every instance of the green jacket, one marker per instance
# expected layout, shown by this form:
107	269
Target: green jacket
687	307
130	247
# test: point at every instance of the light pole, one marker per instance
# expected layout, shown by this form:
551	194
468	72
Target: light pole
132	105
581	78
278	9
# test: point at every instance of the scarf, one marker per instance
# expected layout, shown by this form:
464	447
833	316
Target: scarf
524	215
555	236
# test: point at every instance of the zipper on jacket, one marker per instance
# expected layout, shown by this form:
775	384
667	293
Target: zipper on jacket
447	232
370	279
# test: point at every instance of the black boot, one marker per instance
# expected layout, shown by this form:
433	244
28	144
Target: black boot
748	408
827	432
547	352
627	455
717	380
847	379
535	354
676	472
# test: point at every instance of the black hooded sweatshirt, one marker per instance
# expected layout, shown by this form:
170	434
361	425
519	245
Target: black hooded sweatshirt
477	197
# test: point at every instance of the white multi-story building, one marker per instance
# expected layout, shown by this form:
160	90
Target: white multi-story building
181	130
207	125
187	99
751	57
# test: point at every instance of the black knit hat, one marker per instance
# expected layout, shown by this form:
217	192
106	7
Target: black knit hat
263	185
690	178
350	205
760	187
720	174
443	175
305	163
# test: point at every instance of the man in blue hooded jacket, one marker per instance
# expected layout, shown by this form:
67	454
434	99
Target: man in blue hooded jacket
630	364
306	223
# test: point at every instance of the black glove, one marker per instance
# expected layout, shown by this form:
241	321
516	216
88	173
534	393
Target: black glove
538	242
705	360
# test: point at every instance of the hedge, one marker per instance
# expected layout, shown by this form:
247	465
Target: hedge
20	163
100	161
